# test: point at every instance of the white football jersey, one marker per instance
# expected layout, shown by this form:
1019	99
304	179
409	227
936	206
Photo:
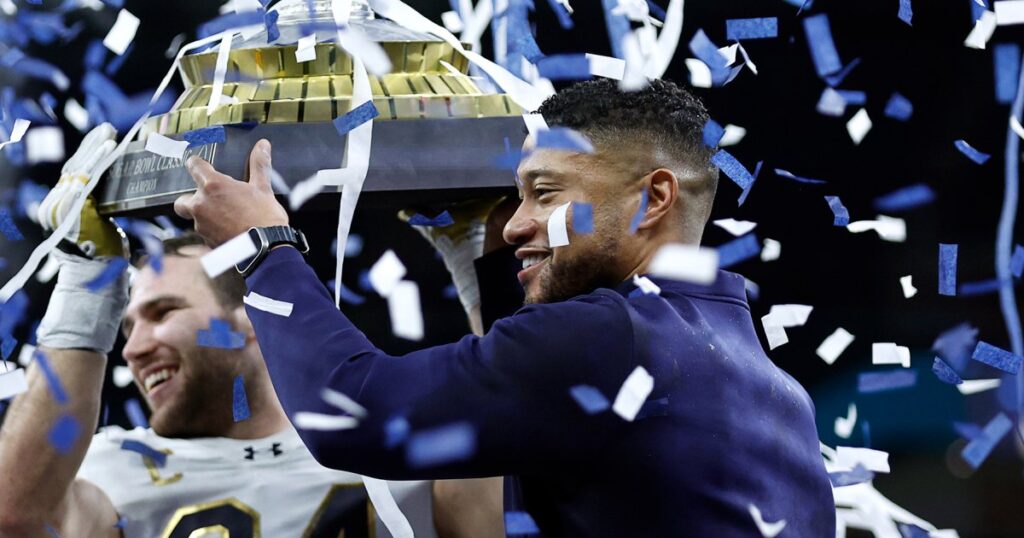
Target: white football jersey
270	488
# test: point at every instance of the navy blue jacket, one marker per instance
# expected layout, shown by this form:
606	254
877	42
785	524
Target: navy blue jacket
723	428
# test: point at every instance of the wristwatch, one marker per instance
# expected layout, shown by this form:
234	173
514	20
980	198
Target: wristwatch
267	238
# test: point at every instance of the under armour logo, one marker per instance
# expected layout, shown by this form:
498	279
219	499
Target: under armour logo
275	449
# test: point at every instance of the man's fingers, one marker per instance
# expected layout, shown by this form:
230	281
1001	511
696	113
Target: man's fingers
259	165
183	206
203	172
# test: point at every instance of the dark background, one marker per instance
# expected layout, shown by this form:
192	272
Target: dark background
851	280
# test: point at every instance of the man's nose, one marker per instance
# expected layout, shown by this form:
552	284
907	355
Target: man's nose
521	228
139	344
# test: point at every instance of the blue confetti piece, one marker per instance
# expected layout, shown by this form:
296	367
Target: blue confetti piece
440	221
582	218
95	54
906	12
908	530
12	312
157	457
438	446
617	24
823	48
239	401
589	398
841	214
204	136
396	431
347	295
450	292
509	161
899	108
230	21
109	275
982	287
956	344
1007	69
968	430
220	335
971	153
758	28
707	52
564	18
634	223
945	373
7	345
865	433
52	381
1017	261
789	175
738	250
746	191
270	21
947	269
713	133
732	168
7	226
837	79
355	117
871	382
564	67
121	522
853	97
978	450
906	198
857	475
136	416
118	60
997	357
64	433
520	523
565	139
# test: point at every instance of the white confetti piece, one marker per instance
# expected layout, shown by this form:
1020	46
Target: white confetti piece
735	227
700	73
122	33
44	145
633	394
888	228
13	383
872	460
558	234
890	353
834	345
76	114
733	135
858	126
535	123
729	53
659	57
452	21
386	508
646	285
771	251
220	70
607	66
405	311
790	315
767	530
123	376
266	304
18	132
746	59
305	420
227	255
343	402
1009	12
686	263
305	51
974	386
165	146
844	425
48	270
984	27
27	354
906	282
775	334
386	273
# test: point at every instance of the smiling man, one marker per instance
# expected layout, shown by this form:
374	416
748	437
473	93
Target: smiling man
721	431
208	466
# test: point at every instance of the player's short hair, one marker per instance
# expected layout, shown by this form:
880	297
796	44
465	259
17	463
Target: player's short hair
229	286
662	115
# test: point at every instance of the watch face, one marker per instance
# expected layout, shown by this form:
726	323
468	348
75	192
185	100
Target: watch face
244	265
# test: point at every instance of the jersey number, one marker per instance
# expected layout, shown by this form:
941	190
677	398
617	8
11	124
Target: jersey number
345	511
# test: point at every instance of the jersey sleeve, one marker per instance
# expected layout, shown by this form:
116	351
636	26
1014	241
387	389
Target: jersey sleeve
509	388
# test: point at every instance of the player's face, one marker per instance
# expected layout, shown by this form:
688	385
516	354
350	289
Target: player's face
549	179
188	387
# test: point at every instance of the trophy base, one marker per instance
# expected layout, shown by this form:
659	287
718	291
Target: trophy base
406	167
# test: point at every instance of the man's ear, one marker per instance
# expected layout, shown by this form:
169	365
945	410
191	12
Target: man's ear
662	192
243	324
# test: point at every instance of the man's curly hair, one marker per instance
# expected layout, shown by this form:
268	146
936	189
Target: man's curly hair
663	115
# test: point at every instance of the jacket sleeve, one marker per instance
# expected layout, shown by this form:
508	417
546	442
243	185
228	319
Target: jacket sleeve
510	389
